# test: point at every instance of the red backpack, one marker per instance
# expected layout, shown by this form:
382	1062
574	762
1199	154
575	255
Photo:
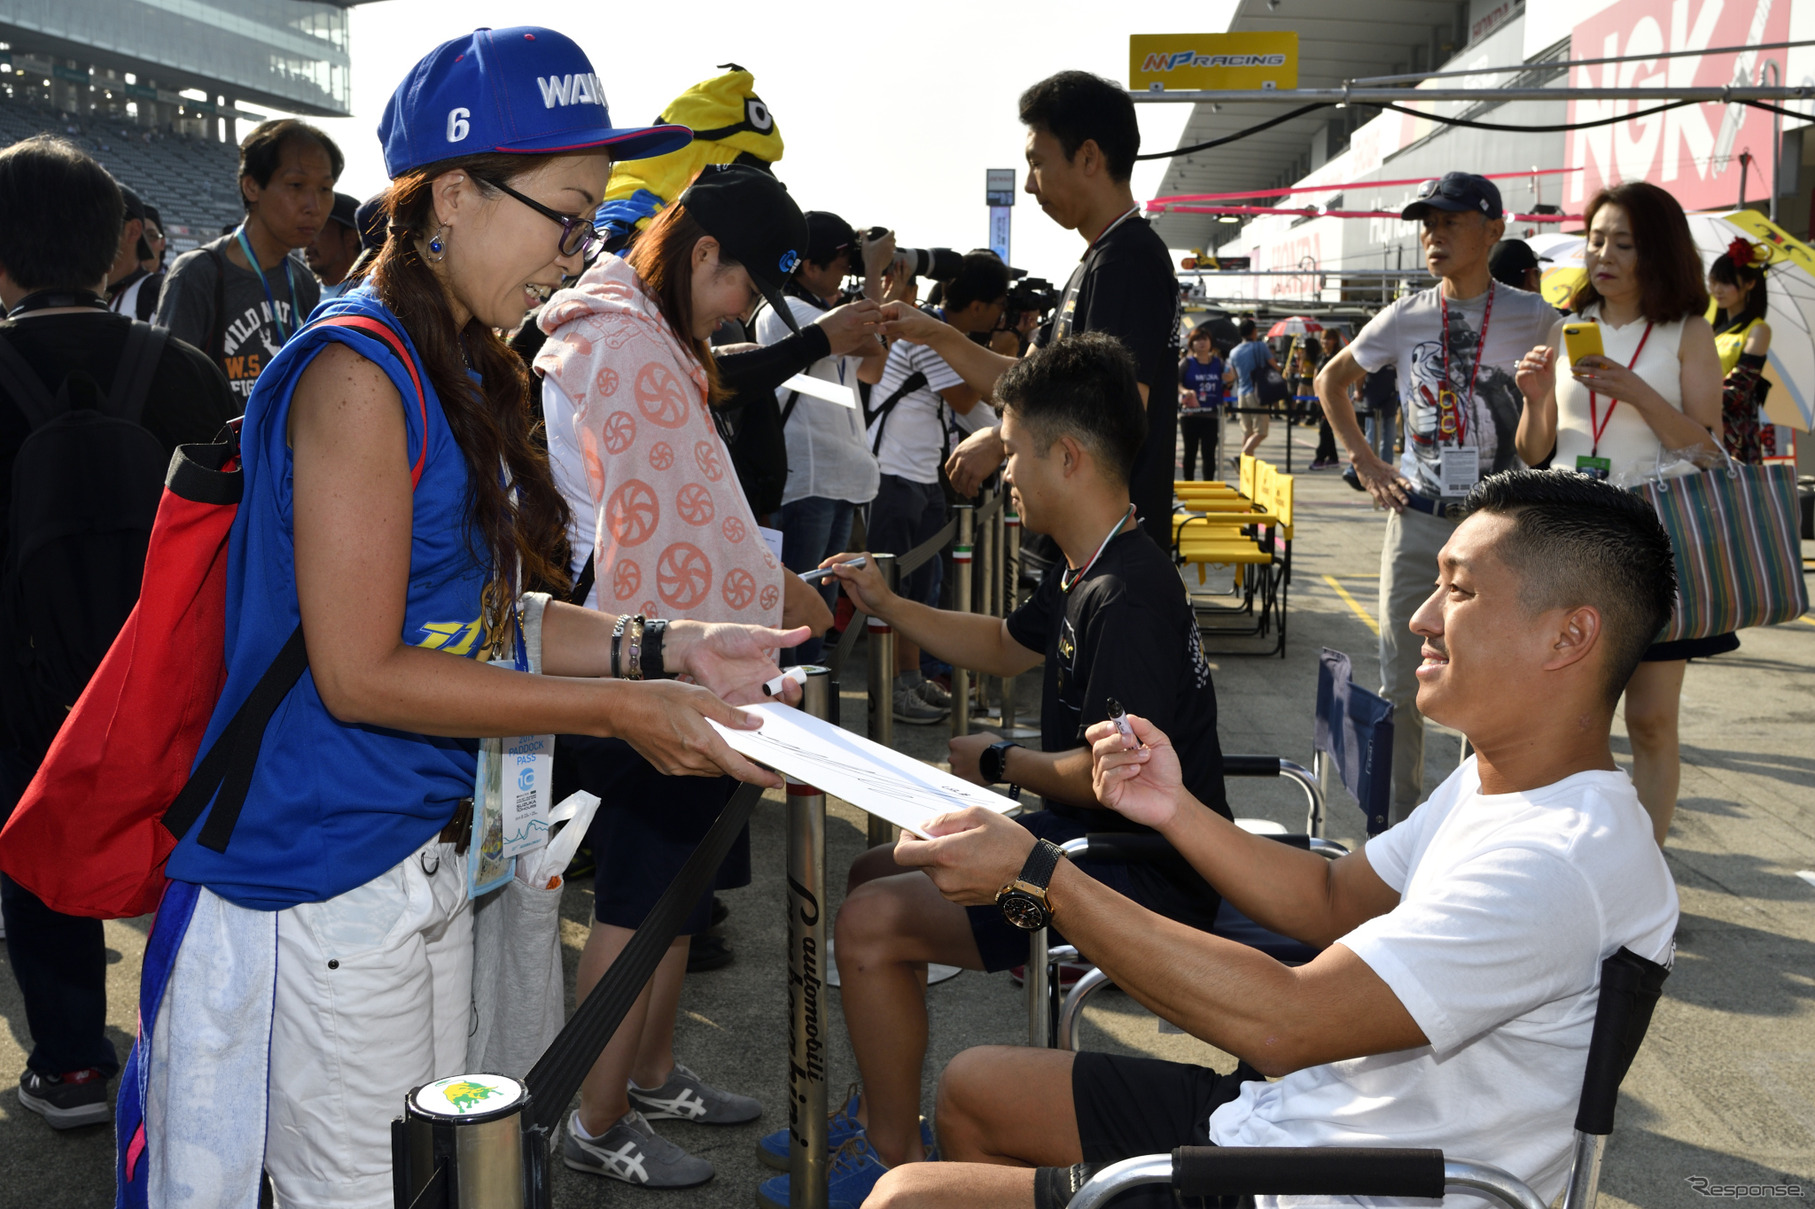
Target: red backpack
115	791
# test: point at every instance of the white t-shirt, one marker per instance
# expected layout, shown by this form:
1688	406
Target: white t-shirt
1508	905
1409	334
914	431
828	456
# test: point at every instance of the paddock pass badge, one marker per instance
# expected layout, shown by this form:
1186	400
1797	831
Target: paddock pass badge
468	1095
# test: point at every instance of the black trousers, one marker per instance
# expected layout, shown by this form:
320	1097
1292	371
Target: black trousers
59	962
1199	430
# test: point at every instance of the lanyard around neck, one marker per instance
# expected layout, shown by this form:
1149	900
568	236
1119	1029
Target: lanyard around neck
284	331
1596	425
1069	579
1474	371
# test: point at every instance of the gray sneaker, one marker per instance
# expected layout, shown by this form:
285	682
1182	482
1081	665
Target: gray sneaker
933	695
635	1153
915	710
687	1097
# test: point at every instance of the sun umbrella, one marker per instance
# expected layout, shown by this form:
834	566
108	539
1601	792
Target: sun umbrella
1790	277
1297	325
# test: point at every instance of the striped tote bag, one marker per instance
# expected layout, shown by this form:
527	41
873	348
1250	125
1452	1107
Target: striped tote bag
1738	548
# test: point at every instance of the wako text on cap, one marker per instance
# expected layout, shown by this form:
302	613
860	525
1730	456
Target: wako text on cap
751	215
525	89
1457	191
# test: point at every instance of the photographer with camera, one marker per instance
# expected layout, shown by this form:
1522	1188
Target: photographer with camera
830	468
919	400
1082	138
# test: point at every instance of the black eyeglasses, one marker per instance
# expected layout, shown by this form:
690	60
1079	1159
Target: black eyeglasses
578	236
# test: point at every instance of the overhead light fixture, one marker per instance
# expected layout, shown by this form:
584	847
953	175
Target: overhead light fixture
1228	218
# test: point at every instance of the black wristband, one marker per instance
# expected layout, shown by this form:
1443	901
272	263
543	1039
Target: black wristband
1040	864
655	633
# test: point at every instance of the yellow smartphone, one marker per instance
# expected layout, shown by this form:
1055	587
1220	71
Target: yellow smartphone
1582	340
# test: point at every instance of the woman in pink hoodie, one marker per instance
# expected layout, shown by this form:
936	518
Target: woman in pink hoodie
628	383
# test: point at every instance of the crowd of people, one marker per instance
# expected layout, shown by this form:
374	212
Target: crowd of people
579	503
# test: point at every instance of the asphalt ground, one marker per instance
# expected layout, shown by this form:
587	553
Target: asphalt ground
1723	1090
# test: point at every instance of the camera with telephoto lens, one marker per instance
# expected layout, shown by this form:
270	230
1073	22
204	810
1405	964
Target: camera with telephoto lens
934	264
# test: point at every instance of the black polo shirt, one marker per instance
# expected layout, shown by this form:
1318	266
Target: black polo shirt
1125	630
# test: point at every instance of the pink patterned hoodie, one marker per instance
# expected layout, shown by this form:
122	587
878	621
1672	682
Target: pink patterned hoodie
673	535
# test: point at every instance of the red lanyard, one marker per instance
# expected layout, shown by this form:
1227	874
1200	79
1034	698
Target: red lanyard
1596	425
1461	417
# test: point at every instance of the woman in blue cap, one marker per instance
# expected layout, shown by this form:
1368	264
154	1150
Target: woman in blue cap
305	975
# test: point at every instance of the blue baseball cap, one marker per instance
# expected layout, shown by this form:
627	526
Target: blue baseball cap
524	89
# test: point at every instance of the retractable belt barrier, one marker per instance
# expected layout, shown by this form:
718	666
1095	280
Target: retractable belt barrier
483	1139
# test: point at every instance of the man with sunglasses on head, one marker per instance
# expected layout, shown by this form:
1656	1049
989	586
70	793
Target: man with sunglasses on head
1454	346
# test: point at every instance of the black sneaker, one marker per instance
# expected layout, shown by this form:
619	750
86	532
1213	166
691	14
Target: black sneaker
708	952
67	1101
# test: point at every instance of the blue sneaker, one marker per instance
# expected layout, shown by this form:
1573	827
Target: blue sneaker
855	1170
841	1126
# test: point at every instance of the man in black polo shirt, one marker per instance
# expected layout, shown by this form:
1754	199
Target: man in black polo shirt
54	263
1082	138
1112	624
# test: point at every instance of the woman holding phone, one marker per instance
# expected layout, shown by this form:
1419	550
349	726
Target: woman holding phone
318	966
1653	389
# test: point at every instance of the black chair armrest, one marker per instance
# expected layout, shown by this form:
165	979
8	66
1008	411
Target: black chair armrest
1300	1171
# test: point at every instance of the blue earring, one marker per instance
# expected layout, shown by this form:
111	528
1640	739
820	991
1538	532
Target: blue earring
437	248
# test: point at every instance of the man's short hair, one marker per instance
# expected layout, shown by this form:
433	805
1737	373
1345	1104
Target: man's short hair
1085	387
1246	329
60	216
1075	107
263	150
1578	541
982	277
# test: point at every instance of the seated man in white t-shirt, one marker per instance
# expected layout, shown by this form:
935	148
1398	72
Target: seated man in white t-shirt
915	406
1452	1004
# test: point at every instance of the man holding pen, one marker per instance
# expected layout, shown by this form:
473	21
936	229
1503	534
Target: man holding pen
1112	624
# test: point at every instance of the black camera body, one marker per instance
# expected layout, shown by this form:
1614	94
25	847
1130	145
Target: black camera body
1032	294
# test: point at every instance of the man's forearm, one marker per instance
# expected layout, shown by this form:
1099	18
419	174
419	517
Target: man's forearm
1340	410
1228	994
1282	888
1057	776
978	366
969	640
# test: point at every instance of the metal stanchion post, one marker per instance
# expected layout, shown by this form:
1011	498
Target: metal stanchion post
882	686
998	587
1011	591
961	601
985	598
807	1151
1039	1002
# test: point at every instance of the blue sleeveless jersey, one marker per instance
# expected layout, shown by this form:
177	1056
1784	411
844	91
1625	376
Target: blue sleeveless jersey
334	805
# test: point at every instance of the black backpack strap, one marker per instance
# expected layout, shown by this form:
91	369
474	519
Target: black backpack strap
879	416
26	389
788	408
227	768
582	587
139	358
217	338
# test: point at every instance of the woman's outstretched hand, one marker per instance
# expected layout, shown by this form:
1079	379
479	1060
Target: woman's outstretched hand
732	660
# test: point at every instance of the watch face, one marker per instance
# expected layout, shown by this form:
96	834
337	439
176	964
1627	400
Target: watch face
1023	910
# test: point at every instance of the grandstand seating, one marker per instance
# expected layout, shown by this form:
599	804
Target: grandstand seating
192	181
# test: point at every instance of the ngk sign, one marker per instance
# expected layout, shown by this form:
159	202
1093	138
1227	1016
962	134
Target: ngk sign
1693	151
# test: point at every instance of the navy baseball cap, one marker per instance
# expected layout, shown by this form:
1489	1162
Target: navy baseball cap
525	89
1457	191
755	220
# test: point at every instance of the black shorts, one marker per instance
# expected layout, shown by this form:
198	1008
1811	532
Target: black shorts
1128	1107
1171	888
904	514
647	826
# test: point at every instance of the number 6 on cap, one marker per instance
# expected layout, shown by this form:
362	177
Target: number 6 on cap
457	125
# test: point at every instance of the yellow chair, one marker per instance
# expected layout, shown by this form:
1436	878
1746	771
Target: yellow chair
1256	544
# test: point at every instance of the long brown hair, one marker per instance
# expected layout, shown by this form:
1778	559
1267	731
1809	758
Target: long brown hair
494	421
663	260
1671	286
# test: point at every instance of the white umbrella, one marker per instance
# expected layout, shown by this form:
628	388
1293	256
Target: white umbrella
1790	278
1561	257
1297	325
